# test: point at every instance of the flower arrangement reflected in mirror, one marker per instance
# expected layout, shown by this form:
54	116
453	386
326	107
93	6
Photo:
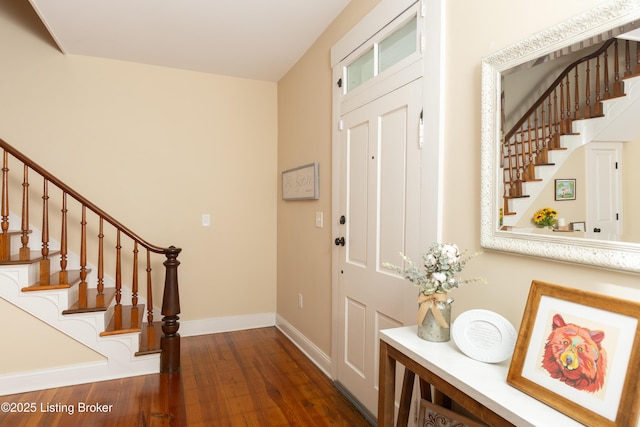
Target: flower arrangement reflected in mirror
545	217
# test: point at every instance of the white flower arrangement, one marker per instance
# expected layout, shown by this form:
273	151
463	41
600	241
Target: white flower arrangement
440	265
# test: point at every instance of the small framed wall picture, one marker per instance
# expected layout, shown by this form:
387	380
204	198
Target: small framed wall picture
301	183
565	189
578	226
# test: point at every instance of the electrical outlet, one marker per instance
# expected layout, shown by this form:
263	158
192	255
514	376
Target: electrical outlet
206	220
300	301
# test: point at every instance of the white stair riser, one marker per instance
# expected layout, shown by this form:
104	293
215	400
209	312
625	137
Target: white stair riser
118	350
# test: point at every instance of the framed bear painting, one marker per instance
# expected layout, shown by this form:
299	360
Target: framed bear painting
579	352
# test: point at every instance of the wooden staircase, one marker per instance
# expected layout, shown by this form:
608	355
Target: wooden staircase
117	311
578	93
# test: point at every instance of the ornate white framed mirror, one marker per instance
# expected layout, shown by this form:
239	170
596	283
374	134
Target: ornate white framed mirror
506	228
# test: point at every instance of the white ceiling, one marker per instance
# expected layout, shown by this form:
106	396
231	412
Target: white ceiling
256	39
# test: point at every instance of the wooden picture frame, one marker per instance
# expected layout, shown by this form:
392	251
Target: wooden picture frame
599	386
435	415
565	189
578	226
301	183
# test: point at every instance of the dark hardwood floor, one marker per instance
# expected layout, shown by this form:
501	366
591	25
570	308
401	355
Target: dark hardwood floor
246	378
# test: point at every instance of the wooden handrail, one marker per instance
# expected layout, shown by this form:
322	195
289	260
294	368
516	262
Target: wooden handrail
170	339
77	196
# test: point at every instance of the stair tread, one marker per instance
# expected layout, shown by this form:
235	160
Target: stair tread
595	116
612	96
630	76
73	277
150	339
34	256
94	302
131	320
16	232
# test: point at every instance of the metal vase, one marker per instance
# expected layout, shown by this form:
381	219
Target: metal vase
431	330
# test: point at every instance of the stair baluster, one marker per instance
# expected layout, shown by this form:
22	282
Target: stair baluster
587	94
45	263
563	118
567	114
529	168
554	124
149	291
82	287
542	153
5	242
618	87
117	315
134	279
63	277
536	142
134	289
576	88
607	83
25	252
598	104
100	282
627	59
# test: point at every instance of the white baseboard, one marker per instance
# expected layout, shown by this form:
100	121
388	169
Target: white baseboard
215	325
22	382
312	351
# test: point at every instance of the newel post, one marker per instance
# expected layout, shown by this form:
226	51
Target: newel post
170	340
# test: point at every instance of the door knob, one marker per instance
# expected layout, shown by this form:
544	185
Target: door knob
339	241
596	230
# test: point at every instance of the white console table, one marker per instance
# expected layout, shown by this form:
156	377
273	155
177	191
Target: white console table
481	388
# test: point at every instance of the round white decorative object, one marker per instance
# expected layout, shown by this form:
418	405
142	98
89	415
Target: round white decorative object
484	335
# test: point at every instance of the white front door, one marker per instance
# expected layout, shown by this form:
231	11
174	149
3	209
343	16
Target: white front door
379	214
604	196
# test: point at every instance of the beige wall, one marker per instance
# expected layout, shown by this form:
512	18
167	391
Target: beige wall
35	351
473	30
630	200
155	148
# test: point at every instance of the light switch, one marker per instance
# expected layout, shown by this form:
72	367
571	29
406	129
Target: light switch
319	219
206	220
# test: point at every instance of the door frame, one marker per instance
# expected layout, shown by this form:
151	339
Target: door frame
433	117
